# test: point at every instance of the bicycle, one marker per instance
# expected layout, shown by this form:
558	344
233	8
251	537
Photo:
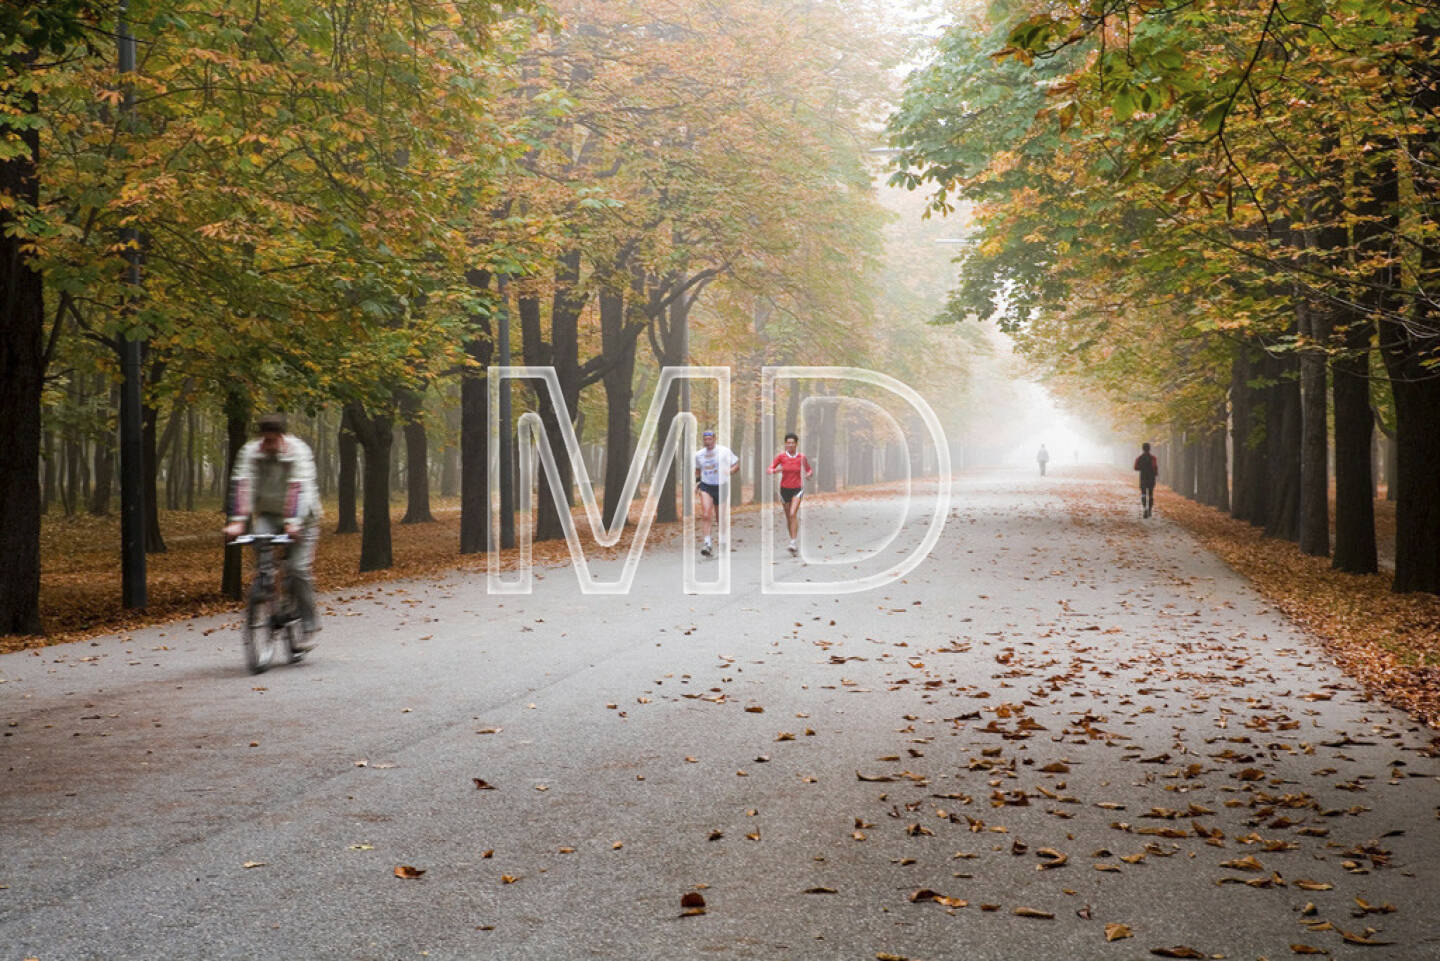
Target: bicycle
270	617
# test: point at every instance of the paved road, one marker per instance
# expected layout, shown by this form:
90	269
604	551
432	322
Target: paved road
1078	714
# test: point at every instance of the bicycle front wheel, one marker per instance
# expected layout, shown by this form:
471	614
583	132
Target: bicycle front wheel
258	634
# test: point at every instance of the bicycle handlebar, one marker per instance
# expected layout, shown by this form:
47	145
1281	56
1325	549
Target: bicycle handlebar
263	539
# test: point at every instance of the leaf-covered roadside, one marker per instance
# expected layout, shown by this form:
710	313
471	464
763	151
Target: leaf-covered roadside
1388	642
80	592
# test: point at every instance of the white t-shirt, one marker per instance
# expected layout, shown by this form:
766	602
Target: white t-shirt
714	464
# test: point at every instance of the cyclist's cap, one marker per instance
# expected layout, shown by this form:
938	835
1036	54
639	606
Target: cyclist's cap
272	424
708	433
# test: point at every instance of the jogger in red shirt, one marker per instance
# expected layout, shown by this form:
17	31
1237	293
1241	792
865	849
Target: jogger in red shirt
793	468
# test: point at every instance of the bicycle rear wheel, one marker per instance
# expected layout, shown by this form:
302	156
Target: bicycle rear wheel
259	641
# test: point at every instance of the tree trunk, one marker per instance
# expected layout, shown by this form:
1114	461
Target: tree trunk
417	461
154	542
618	346
104	475
345	449
1314	322
450	464
375	434
1282	450
1417	508
475	430
825	450
47	457
192	464
237	419
537	353
1247	415
1218	474
1354	426
22	373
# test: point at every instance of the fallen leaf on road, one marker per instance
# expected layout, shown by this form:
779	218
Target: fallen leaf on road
821	890
508	879
253	864
406	871
1054	858
1367	908
1307	949
1033	913
692	903
482	785
1117	932
1314	885
1179	951
873	777
1351	937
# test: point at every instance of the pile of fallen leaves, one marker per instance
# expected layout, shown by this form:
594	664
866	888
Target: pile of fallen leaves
1388	642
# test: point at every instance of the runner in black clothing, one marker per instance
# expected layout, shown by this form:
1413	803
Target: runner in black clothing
1148	467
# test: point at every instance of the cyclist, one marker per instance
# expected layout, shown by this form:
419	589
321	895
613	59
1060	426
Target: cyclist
274	487
793	467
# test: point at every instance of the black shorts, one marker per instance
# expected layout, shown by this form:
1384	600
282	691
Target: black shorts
1147	483
788	494
712	489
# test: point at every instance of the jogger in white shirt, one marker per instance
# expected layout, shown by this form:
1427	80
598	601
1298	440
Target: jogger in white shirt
714	463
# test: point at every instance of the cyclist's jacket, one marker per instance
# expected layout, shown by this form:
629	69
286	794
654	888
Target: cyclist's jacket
282	486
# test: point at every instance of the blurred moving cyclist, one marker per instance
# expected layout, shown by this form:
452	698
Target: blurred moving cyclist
274	489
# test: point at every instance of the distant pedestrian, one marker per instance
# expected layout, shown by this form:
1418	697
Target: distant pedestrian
1042	457
1148	467
793	468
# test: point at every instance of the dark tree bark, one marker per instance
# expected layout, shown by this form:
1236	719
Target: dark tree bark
618	347
475	429
104	475
1185	465
1355	550
417	461
150	416
1247	416
537	353
1217	472
237	419
1410	346
49	483
375	434
348	454
1314	321
192	463
1282	449
22	373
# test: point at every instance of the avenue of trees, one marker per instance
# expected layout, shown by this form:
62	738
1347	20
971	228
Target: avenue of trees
1218	221
347	210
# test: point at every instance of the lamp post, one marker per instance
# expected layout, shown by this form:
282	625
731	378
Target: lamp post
132	454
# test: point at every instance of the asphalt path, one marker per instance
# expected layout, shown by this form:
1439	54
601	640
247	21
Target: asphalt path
1070	733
